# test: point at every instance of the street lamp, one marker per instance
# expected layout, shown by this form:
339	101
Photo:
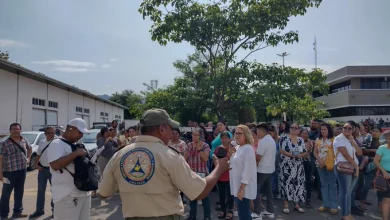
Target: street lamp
284	54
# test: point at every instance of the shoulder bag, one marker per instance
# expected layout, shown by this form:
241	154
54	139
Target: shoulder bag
345	166
380	183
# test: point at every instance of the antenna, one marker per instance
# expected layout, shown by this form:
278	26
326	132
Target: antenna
315	52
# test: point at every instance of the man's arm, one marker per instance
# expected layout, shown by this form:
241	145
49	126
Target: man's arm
64	161
108	185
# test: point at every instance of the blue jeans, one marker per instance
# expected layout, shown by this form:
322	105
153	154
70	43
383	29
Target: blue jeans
346	186
17	179
43	176
328	188
206	208
243	208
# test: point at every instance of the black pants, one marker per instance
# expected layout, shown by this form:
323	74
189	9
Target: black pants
307	167
17	179
224	190
264	184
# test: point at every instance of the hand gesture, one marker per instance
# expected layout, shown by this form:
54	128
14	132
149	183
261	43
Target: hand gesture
386	175
222	164
39	168
240	194
80	152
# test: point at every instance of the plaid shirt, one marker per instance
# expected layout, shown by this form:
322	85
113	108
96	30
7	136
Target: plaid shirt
196	163
14	159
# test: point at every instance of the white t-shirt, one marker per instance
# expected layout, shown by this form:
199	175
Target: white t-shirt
62	183
267	150
42	144
342	141
243	164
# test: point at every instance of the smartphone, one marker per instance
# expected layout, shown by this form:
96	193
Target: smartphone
5	180
221	153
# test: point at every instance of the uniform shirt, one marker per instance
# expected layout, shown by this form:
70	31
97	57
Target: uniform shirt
342	141
62	183
42	144
14	159
149	176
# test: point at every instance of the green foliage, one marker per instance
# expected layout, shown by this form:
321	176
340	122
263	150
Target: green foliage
4	55
130	99
219	30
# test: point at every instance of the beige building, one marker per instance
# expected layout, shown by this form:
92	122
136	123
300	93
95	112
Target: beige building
358	92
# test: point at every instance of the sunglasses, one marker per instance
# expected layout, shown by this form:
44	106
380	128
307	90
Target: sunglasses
348	128
294	128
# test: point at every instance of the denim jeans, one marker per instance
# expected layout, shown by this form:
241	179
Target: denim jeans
243	208
346	186
206	208
357	189
17	179
328	188
307	166
43	176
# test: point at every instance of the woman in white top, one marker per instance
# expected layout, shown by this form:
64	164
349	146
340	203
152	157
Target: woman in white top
243	182
346	149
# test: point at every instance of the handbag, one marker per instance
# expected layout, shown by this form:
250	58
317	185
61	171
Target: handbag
344	166
380	183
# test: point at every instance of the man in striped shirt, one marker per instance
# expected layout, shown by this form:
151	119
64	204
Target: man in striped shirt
15	153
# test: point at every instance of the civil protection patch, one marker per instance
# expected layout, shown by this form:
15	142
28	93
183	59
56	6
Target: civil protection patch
137	166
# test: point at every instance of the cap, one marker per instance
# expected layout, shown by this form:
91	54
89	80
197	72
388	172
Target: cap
156	116
80	124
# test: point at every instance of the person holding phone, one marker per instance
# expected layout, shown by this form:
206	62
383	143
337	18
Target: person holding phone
346	150
225	150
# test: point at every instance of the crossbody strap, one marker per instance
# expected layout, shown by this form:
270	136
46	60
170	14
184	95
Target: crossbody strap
19	147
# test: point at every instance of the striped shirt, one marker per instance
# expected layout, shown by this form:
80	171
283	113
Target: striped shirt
14	159
196	163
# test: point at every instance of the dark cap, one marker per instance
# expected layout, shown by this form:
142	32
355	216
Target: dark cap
156	116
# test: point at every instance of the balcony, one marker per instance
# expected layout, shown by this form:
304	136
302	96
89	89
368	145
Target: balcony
356	97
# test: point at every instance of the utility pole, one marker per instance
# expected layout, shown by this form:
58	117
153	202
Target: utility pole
284	54
315	52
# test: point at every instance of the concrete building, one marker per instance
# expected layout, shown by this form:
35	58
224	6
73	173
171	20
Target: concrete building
358	92
35	100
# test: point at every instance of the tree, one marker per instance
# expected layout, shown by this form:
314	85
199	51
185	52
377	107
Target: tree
288	89
220	30
4	55
131	100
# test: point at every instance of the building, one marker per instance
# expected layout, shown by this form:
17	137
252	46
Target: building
35	100
357	93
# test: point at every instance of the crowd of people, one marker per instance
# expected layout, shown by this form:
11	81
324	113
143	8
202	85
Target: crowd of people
250	166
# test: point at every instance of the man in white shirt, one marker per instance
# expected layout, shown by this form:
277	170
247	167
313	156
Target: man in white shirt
69	202
265	158
42	164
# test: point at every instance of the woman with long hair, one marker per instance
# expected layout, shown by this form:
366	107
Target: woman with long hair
323	152
243	182
292	181
346	151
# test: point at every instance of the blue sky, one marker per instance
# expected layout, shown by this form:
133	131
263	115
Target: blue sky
105	46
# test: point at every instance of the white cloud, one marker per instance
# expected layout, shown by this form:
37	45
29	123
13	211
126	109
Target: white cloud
112	60
106	65
11	43
71	69
65	63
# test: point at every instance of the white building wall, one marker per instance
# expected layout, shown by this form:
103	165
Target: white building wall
61	97
90	104
74	101
8	97
99	108
29	89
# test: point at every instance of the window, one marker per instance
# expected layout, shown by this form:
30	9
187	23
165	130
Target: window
79	109
53	104
106	114
374	83
340	87
359	111
101	113
86	111
39	102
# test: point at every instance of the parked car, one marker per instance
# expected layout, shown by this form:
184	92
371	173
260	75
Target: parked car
89	141
33	137
100	125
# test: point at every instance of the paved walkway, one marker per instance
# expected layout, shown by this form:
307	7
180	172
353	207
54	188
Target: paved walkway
111	208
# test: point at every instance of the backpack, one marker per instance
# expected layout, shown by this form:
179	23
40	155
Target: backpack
86	176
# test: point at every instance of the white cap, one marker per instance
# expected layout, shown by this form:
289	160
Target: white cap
80	124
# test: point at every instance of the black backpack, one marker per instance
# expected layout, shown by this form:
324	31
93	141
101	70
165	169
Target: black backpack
86	176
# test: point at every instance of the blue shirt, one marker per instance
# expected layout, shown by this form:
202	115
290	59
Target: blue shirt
384	152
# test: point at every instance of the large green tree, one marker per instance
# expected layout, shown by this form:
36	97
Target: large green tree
131	100
220	30
4	55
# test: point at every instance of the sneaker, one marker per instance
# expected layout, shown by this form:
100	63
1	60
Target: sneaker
268	214
235	213
36	214
19	215
256	216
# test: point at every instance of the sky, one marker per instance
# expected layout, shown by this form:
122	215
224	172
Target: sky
105	46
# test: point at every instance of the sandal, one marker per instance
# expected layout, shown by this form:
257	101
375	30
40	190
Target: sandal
334	211
322	209
300	210
286	210
222	215
229	215
362	207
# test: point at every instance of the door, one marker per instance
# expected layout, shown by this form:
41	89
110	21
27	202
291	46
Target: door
52	118
38	119
86	119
